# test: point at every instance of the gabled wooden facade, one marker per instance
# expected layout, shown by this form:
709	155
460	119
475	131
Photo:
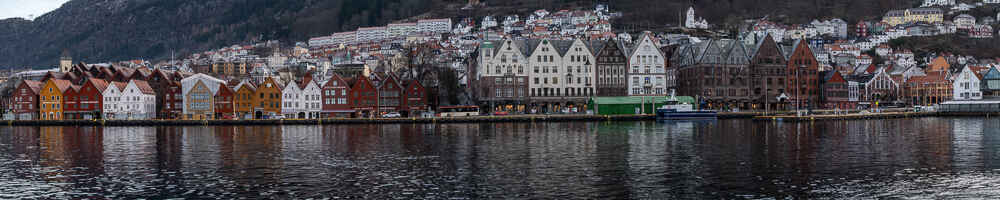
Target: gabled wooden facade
25	104
51	99
173	101
414	99
803	76
335	97
767	69
244	98
363	97
390	95
268	99
91	99
225	103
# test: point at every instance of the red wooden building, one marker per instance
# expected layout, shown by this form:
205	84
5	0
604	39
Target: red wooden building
173	105
390	95
803	76
25	104
335	97
224	103
363	96
414	99
91	98
160	81
71	102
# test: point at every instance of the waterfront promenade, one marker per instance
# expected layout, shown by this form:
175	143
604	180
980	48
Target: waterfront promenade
756	116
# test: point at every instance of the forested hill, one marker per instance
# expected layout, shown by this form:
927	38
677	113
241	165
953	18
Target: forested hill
100	30
108	30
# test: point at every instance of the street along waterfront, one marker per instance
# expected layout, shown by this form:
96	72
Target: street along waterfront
931	157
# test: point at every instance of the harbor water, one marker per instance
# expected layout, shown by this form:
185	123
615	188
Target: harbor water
934	158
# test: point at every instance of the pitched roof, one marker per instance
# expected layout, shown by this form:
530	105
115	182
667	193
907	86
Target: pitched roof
562	46
119	85
247	84
62	85
74	88
993	74
33	85
596	46
143	86
100	84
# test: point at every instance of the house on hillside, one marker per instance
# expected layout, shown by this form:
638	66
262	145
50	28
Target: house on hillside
967	85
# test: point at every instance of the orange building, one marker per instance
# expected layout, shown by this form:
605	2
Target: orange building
933	88
51	99
245	93
938	64
268	99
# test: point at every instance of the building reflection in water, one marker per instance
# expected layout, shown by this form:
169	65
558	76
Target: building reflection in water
610	153
249	155
68	154
599	160
966	147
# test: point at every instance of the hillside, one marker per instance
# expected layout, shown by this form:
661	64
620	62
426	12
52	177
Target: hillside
100	30
103	30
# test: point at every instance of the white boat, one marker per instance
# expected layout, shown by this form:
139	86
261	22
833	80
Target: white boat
673	109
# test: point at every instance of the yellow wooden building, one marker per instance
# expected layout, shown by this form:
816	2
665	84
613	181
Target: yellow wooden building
51	99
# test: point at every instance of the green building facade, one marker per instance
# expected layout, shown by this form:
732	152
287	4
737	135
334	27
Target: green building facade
632	105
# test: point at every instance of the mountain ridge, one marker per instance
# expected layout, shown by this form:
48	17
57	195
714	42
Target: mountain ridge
110	30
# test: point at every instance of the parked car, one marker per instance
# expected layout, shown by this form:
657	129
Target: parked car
501	113
391	115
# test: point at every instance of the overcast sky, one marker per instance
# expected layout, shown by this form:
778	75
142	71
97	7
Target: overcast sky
25	8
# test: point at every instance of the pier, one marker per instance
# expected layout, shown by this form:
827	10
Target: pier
780	116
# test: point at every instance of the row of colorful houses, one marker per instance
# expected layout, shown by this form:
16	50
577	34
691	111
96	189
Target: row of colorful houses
202	97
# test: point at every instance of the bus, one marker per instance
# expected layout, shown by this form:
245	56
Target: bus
458	111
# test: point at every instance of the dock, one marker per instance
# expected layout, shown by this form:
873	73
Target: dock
853	116
755	116
326	121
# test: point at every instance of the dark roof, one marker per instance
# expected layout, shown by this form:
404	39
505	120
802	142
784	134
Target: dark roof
561	46
33	85
143	86
100	84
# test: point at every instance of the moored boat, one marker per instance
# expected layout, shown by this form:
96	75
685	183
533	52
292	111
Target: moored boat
673	109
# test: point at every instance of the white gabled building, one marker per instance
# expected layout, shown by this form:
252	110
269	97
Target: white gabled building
302	100
138	101
312	99
646	73
579	63
966	85
544	65
113	108
291	101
